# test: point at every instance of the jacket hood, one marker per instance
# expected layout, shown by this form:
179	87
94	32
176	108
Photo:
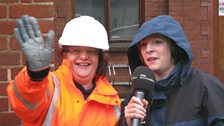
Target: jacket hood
165	25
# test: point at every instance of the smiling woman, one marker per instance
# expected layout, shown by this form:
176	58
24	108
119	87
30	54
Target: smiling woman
84	62
78	93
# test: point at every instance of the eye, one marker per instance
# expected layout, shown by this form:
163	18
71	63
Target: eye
92	51
143	44
158	41
74	51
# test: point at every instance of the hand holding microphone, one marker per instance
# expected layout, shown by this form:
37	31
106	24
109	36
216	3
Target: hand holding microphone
142	82
136	108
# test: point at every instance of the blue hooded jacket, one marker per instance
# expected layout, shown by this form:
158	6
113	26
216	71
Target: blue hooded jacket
187	97
164	25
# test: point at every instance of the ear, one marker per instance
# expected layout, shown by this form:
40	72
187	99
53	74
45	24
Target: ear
62	52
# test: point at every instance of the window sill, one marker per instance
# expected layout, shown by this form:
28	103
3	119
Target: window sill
119	45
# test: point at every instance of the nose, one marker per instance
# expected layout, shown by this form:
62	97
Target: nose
149	47
83	55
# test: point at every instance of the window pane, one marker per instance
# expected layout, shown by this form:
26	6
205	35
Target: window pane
94	8
124	18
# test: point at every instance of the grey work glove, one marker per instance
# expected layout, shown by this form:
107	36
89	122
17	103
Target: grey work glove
37	51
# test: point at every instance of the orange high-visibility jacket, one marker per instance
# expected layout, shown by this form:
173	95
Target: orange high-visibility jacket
55	101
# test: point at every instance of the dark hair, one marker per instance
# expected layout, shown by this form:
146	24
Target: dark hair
102	66
102	61
177	53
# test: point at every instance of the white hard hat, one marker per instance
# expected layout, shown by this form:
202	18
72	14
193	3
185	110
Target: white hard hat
84	31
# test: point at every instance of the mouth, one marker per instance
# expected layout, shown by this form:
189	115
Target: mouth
152	59
82	64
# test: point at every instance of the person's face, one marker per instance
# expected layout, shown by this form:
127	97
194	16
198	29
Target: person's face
156	54
84	62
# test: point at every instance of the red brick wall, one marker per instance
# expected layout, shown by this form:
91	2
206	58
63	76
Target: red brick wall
196	16
155	7
64	12
11	58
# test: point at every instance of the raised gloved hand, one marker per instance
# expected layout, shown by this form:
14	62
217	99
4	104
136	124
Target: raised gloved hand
37	51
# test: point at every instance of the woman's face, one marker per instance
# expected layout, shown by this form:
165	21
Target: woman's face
84	62
156	54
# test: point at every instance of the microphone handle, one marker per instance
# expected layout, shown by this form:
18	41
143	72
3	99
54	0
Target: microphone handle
139	94
136	122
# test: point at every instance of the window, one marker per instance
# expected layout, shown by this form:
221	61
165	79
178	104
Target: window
120	17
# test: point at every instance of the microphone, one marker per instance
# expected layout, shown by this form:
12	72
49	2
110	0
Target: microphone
142	81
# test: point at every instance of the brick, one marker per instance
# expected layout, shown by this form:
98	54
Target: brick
3	74
154	8
45	26
9	58
193	4
59	1
43	0
15	71
205	4
3	11
26	1
14	44
59	25
3	43
196	38
176	9
3	87
204	14
4	104
39	11
204	25
61	12
9	1
23	59
205	54
6	27
9	119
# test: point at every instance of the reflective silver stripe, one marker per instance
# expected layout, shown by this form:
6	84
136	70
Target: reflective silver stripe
117	111
50	113
30	106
